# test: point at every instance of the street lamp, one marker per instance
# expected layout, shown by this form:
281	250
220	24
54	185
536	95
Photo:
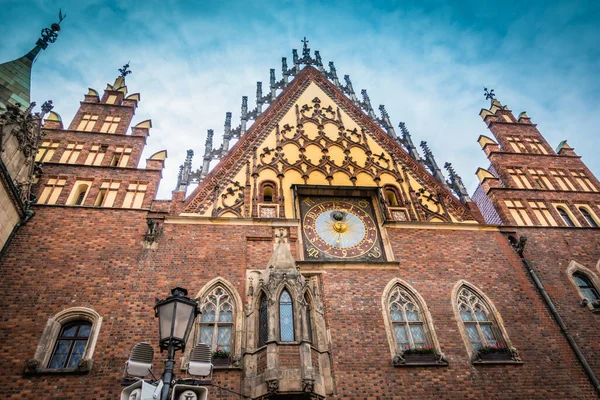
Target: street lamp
176	315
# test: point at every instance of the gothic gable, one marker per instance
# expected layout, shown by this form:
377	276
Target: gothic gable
313	135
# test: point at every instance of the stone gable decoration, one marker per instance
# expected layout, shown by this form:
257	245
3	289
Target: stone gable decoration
313	135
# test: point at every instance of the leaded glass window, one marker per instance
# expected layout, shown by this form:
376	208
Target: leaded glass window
587	288
286	317
263	321
475	315
407	321
70	345
216	323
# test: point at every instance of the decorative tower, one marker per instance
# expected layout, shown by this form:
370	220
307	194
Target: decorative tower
93	163
528	183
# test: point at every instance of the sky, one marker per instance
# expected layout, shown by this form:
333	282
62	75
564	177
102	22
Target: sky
427	61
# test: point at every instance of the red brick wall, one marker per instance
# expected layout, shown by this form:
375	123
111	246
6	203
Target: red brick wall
432	261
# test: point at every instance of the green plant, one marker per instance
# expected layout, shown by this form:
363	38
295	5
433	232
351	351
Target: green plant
419	350
595	303
498	348
220	353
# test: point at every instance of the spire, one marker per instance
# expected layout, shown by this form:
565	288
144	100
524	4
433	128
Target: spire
227	131
407	142
208	151
15	76
455	183
430	163
349	90
366	104
386	123
185	170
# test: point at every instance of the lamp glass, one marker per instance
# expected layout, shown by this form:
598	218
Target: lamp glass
183	315
165	319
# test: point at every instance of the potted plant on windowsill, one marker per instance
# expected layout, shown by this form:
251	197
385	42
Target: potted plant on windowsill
221	358
419	355
497	352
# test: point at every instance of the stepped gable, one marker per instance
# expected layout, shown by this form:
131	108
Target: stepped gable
242	152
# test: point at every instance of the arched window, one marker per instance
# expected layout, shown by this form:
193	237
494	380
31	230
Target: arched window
79	194
588	217
268	194
586	286
68	341
392	198
565	216
263	321
70	345
216	323
480	327
308	316
286	317
407	320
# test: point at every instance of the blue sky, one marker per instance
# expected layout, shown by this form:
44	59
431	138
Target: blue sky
427	61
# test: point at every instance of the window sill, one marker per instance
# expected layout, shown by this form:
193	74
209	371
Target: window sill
490	362
421	364
420	360
32	369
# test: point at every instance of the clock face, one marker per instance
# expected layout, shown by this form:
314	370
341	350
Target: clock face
337	228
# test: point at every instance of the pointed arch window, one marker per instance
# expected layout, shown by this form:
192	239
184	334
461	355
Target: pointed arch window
263	321
286	317
407	320
216	324
586	287
480	326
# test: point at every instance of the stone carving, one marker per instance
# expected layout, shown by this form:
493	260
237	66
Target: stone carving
308	385
273	385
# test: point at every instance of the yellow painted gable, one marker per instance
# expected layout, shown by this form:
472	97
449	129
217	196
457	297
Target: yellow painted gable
316	142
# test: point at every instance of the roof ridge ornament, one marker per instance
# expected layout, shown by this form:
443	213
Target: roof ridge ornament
456	184
125	70
489	95
430	163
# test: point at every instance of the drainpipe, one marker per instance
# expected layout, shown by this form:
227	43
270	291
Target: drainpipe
561	324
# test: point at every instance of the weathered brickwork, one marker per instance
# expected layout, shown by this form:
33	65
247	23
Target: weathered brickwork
106	259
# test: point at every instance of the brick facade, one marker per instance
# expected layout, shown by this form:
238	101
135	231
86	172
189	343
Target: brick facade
101	258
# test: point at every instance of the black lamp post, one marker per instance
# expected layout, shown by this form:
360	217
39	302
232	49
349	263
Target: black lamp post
176	315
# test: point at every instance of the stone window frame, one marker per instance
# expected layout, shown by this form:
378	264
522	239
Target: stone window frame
574	268
237	326
494	316
427	321
47	342
261	191
396	193
567	210
590	211
46	151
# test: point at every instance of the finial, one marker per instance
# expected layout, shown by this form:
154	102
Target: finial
125	70
47	107
366	104
49	35
386	123
431	164
489	95
305	42
456	184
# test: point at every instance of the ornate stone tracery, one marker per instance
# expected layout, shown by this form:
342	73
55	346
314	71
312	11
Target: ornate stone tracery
444	206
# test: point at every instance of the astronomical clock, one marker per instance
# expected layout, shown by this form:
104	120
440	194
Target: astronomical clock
340	229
